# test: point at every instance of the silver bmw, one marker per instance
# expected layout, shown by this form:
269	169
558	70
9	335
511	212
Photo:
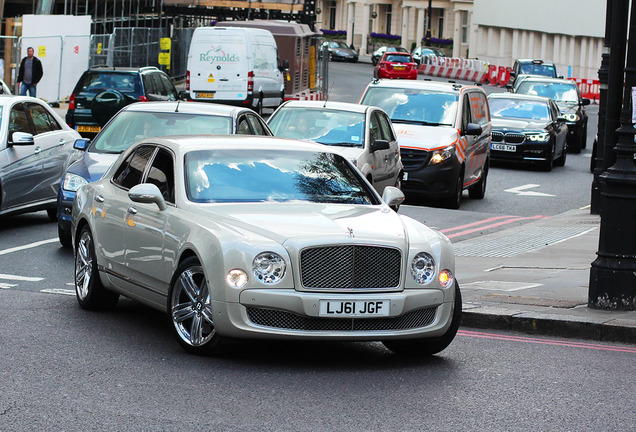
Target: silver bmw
260	237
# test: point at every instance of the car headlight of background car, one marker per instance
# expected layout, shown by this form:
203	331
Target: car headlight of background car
72	182
538	137
442	154
571	117
269	267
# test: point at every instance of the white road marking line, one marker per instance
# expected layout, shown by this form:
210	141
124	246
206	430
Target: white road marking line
6	285
27	246
521	190
499	285
58	291
20	278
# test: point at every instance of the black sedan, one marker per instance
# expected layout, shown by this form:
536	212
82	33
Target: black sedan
341	51
527	128
377	54
571	105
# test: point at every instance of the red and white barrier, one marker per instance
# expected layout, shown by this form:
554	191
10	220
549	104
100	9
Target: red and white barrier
305	95
453	68
589	88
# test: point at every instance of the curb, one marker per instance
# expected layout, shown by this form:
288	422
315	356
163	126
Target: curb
614	330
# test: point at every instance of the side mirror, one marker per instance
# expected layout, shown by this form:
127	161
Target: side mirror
560	76
585	101
21	138
284	65
392	196
184	95
147	193
81	144
473	129
380	144
513	74
561	119
509	87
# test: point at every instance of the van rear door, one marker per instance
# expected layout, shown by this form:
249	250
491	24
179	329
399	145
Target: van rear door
218	65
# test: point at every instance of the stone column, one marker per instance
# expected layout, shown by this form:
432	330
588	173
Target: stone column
351	17
457	34
405	27
364	30
421	22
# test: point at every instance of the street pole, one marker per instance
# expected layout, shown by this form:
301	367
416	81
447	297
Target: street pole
427	38
613	273
597	155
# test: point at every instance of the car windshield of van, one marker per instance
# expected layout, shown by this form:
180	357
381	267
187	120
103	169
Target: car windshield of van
519	109
131	126
240	175
325	126
97	82
415	106
537	69
560	92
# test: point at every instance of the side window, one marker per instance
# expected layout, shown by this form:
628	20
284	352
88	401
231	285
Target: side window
243	127
387	131
555	110
374	129
161	174
131	171
18	121
149	85
40	118
257	125
478	108
465	112
169	89
158	84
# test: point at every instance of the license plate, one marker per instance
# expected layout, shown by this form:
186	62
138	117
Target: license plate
399	67
86	128
354	308
205	95
503	147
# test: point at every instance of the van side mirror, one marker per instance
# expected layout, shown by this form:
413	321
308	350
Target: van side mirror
585	101
81	144
284	65
380	144
473	129
184	95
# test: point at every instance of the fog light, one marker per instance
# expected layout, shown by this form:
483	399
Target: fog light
446	278
236	278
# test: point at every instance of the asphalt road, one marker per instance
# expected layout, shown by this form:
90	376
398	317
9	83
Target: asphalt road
64	368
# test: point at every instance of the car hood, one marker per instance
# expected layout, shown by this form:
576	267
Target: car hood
350	153
517	124
425	137
93	165
324	223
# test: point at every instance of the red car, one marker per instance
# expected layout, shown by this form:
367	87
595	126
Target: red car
396	65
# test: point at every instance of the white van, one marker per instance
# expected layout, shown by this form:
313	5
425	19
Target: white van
235	65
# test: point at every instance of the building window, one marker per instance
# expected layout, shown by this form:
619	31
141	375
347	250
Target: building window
464	27
440	23
389	9
332	15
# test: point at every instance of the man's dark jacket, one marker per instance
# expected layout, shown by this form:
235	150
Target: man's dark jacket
36	73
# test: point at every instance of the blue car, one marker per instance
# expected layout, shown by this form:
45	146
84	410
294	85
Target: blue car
143	120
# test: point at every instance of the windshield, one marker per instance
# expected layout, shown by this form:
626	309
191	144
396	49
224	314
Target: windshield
398	58
97	82
325	126
537	69
414	105
560	92
221	176
338	45
131	126
521	109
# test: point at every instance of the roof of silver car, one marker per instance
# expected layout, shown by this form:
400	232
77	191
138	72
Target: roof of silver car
186	107
340	106
448	86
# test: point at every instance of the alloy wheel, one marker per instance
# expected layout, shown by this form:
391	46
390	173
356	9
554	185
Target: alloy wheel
191	308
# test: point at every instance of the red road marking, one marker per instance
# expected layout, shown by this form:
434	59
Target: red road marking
494	225
545	341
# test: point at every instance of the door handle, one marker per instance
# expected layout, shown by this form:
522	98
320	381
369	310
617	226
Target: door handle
99	199
62	141
37	150
132	210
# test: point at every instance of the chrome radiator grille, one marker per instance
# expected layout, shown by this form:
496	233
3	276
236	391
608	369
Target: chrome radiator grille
350	267
289	321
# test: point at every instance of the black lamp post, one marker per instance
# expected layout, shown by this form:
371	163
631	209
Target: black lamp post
427	38
613	273
597	151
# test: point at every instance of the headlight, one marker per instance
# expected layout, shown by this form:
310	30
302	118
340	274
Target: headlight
538	137
571	117
423	268
442	155
268	267
72	182
236	278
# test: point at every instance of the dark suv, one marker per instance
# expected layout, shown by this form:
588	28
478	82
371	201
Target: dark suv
532	67
102	91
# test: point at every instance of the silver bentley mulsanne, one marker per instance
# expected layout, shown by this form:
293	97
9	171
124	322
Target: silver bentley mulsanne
260	237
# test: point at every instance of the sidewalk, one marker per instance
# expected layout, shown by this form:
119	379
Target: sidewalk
535	278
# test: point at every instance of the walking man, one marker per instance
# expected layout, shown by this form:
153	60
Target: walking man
30	73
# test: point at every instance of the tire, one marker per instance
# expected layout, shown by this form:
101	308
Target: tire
560	161
454	201
190	310
478	190
430	346
106	104
52	214
64	237
90	292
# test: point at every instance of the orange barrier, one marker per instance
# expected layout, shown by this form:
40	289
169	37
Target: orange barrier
504	76
589	88
490	74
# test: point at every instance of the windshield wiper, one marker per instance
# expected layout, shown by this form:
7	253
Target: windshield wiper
343	144
419	122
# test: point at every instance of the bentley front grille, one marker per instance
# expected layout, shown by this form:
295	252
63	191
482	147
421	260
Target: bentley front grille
290	321
350	267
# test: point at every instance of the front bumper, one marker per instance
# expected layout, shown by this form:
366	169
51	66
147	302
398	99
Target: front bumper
524	152
430	181
289	314
64	208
